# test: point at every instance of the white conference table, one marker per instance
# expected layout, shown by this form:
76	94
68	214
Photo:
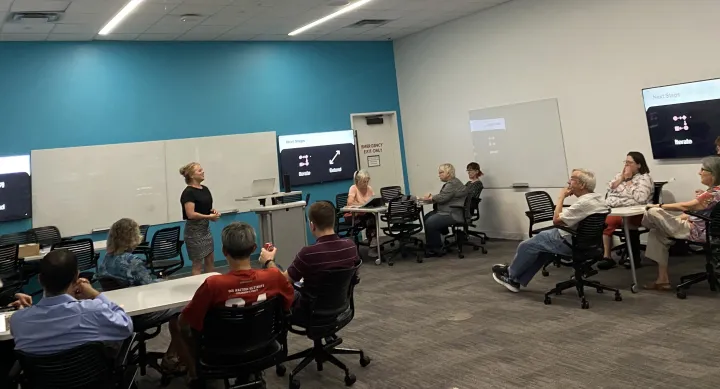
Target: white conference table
153	297
626	213
375	211
98	245
262	199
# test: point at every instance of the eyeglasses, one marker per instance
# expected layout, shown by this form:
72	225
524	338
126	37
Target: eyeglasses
629	162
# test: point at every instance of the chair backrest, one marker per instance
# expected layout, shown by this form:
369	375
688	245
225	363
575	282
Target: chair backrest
713	226
23	237
331	294
402	210
9	265
470	206
143	232
46	236
83	249
589	232
389	193
307	199
541	205
108	283
657	192
165	244
85	366
255	327
291	198
341	200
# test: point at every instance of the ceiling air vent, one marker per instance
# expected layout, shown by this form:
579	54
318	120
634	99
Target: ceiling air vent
35	17
369	22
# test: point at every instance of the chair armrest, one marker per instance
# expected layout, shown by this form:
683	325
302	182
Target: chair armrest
566	205
15	373
566	229
65	239
123	356
699	215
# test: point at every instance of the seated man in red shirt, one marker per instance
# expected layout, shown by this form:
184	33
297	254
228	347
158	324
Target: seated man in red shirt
241	286
329	251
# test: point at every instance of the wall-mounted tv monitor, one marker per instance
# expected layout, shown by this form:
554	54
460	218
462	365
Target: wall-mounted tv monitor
15	192
683	119
318	157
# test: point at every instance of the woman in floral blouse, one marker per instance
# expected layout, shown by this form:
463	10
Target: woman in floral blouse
664	225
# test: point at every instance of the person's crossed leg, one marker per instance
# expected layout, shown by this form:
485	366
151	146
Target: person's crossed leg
528	260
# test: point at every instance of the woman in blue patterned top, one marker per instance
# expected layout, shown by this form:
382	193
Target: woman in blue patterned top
120	263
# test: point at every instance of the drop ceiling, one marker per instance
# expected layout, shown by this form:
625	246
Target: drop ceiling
230	20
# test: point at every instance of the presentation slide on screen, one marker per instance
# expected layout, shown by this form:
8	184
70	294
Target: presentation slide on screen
15	188
683	119
318	157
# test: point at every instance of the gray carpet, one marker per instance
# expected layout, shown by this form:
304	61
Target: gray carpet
446	324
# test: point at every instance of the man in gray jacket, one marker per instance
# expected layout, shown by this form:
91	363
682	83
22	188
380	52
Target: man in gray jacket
451	195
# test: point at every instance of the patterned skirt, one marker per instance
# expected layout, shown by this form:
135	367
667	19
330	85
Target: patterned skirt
198	239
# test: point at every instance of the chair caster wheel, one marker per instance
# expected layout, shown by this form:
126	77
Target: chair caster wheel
419	259
545	273
618	297
461	256
280	370
391	263
547	300
364	361
392	244
475	248
378	262
600	291
681	295
558	293
585	304
484	250
294	384
633	288
165	381
350	379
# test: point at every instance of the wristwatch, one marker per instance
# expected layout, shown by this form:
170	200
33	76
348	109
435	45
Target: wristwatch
265	265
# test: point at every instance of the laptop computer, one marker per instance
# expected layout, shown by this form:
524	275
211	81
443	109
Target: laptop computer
374	202
262	187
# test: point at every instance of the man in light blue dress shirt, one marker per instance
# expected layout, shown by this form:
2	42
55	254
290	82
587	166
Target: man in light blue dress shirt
71	312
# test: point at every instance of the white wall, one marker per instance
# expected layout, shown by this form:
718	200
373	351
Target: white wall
594	56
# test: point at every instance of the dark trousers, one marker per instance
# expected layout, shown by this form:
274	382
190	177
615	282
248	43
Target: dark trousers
435	225
7	360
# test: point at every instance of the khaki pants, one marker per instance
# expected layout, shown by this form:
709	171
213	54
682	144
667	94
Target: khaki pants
663	226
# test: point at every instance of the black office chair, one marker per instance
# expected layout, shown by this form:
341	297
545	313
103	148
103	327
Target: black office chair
388	194
139	355
290	198
403	223
84	367
587	249
540	209
23	237
711	249
10	270
344	226
29	269
85	253
461	231
259	343
164	255
47	236
319	315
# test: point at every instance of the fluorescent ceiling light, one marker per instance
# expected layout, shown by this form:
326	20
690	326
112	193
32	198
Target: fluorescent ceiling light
127	9
337	13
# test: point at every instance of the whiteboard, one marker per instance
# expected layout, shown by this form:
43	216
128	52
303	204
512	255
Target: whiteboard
231	163
520	144
79	189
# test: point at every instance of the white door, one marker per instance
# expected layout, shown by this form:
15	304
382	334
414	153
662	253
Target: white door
378	149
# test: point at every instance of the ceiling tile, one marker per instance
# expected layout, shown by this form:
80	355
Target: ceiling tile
236	37
117	37
157	37
170	25
5	5
209	30
25	28
226	19
23	37
143	18
70	37
104	7
213	2
154	8
200	9
39	5
75	29
131	28
270	37
165	1
80	18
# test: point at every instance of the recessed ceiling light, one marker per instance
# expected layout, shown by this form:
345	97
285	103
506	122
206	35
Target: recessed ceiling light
333	15
117	19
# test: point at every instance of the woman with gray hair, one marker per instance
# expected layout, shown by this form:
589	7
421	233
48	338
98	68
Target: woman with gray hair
446	214
663	225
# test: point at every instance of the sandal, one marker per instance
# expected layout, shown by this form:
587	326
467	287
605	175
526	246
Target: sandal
663	287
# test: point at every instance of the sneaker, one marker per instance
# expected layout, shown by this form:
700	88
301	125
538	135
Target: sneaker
606	264
506	282
500	269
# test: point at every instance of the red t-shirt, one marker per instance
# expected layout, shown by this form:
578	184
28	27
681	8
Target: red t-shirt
237	289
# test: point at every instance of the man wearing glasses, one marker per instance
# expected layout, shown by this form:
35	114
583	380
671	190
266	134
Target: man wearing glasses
527	260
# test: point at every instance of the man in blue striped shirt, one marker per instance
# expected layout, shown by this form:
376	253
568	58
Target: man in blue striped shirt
71	312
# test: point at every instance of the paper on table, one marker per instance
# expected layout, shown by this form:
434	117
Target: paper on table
3	319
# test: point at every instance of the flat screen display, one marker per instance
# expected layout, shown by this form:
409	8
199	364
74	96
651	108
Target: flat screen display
15	188
683	119
318	157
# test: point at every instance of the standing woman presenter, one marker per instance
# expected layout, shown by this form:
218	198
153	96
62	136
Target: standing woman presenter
197	209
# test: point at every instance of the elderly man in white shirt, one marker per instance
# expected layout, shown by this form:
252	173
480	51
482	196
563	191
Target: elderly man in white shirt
527	260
